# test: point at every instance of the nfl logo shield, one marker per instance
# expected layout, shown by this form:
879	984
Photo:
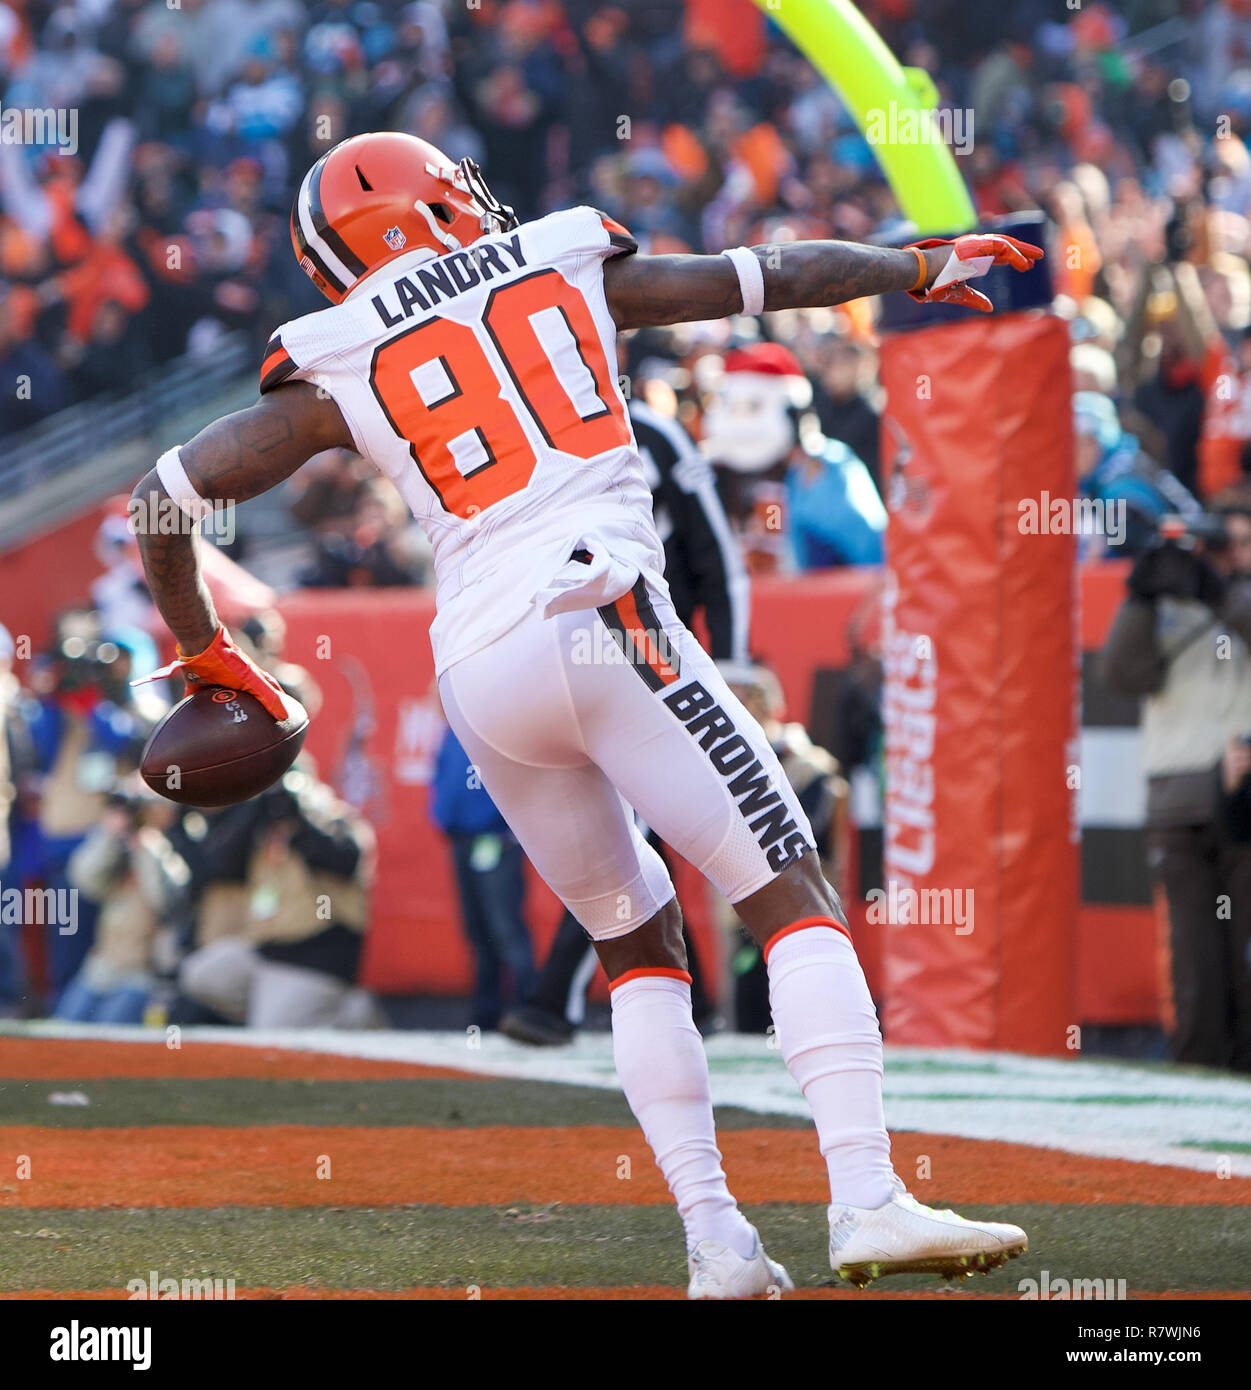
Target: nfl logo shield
394	238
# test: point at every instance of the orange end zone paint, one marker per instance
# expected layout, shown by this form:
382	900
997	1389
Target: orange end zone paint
72	1059
278	1165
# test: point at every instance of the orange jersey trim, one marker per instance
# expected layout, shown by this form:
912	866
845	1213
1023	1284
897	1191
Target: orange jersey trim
277	366
618	236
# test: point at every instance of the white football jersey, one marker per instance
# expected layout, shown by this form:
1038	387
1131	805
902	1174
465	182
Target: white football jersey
483	383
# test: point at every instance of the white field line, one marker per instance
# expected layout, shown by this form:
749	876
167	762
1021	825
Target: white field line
1103	1109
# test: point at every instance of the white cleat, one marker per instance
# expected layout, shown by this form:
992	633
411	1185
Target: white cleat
904	1237
719	1272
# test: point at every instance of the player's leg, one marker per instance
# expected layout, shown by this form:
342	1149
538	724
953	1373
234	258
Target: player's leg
525	743
556	1006
706	1016
663	1068
826	1025
699	769
828	1033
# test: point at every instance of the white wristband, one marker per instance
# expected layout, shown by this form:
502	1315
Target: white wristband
174	480
750	278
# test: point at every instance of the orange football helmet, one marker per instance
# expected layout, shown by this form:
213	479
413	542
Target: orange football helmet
378	196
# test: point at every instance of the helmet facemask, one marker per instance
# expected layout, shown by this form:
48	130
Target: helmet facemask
504	218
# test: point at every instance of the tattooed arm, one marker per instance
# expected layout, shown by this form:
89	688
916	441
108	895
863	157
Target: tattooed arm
237	457
649	290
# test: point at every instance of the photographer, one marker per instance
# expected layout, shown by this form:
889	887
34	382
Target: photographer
17	769
86	734
128	869
1182	640
309	870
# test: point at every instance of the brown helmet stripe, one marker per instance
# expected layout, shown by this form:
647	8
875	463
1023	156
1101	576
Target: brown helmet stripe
323	228
309	252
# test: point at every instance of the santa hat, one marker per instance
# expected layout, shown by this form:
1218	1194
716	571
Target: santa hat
771	366
750	420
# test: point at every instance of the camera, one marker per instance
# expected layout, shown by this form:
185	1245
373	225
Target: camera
1178	564
1203	530
83	661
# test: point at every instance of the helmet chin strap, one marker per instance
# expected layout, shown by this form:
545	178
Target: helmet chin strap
444	238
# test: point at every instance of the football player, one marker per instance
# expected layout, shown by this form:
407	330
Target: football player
472	359
704	571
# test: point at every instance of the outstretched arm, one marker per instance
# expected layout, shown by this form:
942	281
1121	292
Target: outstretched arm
236	458
645	291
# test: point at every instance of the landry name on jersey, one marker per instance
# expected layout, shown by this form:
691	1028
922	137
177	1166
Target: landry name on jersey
483	383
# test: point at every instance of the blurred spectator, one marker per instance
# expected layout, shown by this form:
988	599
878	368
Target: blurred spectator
836	516
293	959
379	546
786	486
87	733
1182	640
11	973
1178	357
31	384
1112	469
328	490
217	847
120	594
842	408
856	737
490	878
127	868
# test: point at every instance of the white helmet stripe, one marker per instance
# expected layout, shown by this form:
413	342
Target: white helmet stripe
316	242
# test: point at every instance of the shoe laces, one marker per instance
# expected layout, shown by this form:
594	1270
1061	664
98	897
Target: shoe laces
906	1199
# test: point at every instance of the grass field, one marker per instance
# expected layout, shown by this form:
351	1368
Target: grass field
301	1174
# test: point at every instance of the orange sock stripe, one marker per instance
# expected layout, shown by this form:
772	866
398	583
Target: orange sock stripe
802	925
660	972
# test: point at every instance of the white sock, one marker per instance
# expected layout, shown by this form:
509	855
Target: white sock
828	1032
664	1073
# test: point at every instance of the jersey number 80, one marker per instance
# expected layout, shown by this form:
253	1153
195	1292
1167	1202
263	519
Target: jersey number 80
440	390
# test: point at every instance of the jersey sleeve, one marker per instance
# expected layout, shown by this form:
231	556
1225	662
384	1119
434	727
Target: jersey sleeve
277	365
299	348
576	234
314	349
619	240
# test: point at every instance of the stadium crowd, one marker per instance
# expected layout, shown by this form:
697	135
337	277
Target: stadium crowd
119	905
697	125
163	222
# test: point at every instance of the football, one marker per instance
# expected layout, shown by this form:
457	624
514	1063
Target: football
217	747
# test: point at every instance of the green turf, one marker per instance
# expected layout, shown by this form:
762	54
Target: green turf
234	1101
1151	1248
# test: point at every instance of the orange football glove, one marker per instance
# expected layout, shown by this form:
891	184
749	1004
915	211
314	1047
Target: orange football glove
222	663
971	256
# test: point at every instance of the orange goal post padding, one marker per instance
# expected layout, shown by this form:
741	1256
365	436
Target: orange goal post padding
980	650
